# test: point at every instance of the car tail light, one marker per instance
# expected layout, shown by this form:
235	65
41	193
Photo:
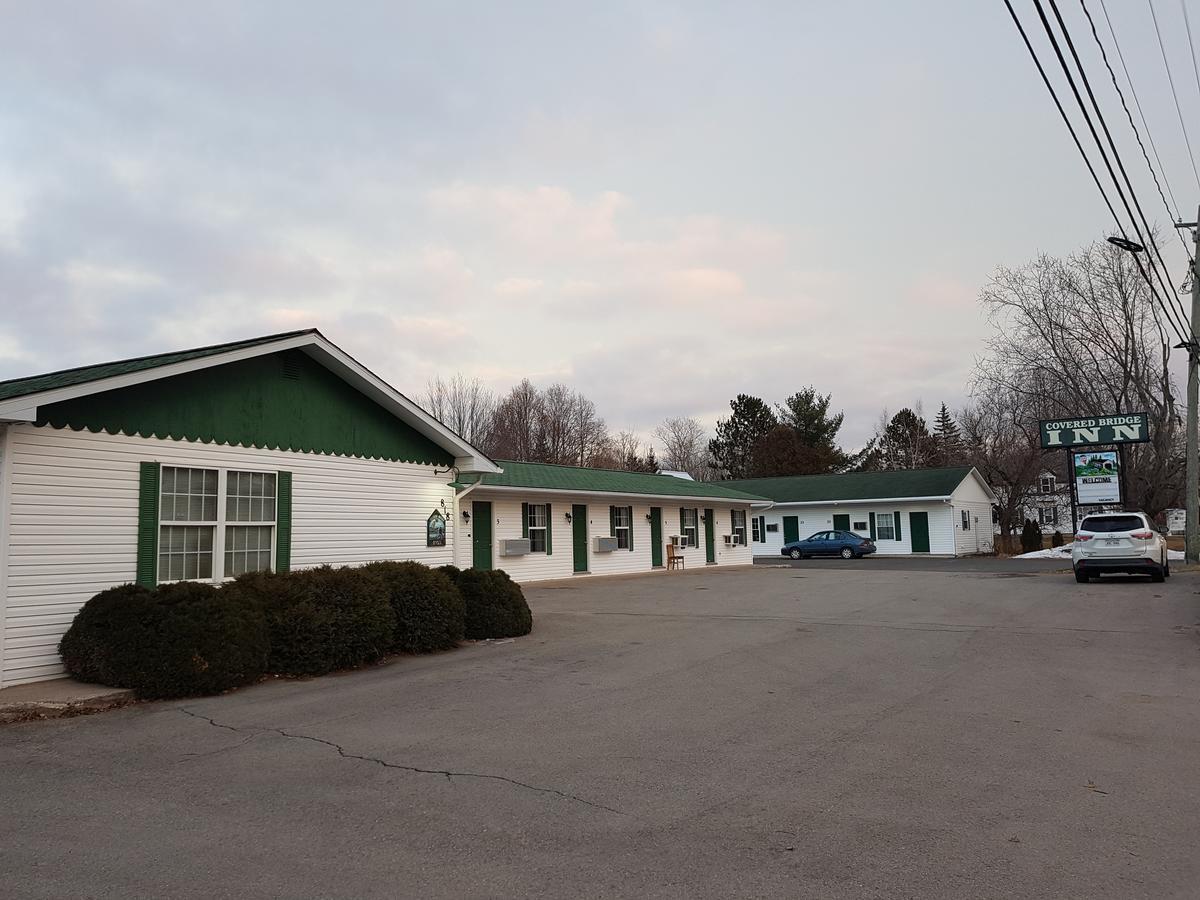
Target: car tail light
1142	535
1083	537
865	544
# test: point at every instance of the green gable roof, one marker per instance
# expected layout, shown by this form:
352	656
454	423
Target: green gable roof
36	384
544	476
857	485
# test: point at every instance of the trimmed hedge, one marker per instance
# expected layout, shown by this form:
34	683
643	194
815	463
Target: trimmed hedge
427	605
495	606
179	640
188	638
320	619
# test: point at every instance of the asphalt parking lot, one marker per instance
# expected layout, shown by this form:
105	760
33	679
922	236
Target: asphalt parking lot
742	733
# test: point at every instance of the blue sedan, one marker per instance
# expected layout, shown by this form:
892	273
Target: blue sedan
845	544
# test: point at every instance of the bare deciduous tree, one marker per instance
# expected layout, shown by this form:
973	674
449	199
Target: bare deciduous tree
516	424
464	404
1082	336
685	447
1002	442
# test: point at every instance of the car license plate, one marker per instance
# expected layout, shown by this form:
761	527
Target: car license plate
1113	543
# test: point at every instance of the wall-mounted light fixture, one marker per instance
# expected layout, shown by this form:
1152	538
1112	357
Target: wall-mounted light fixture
649	518
466	516
567	516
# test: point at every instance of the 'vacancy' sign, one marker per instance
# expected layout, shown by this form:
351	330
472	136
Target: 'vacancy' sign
1127	428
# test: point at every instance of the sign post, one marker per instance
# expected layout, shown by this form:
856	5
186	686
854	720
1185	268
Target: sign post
1097	476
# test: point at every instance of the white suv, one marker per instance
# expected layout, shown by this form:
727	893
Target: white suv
1119	542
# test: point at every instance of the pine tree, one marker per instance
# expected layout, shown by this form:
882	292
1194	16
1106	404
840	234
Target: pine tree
947	438
752	420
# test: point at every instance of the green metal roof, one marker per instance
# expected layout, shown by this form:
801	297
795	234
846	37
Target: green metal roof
857	485
36	384
609	481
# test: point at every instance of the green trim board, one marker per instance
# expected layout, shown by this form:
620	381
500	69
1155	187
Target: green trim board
546	476
897	485
36	384
285	400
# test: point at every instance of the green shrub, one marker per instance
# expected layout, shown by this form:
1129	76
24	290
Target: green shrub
495	606
451	572
321	619
1031	536
180	640
103	640
427	605
1056	539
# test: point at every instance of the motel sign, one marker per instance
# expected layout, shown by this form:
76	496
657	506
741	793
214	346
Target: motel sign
1127	428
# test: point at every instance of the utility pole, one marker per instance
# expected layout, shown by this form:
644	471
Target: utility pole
1193	396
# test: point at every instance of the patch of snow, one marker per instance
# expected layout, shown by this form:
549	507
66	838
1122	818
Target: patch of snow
1064	552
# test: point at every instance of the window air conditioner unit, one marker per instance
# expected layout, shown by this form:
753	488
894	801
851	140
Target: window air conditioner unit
731	540
604	544
514	547
676	540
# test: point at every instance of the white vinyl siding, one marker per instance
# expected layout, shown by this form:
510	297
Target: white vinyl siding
73	508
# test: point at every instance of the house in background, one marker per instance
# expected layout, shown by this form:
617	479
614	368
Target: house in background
945	511
1049	505
284	452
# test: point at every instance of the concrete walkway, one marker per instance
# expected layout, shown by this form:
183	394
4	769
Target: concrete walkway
57	698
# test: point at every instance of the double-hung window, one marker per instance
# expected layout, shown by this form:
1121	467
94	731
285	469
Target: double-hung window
1048	515
756	532
885	527
1047	484
738	521
537	525
622	517
215	523
690	531
966	519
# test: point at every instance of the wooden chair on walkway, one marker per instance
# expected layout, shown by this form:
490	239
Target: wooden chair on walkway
675	558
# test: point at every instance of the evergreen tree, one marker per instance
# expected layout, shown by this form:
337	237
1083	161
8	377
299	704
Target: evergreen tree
807	412
947	438
751	421
905	442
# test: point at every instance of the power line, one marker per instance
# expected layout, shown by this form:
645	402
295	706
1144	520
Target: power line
1178	111
1146	239
1121	95
1082	152
1187	24
1174	215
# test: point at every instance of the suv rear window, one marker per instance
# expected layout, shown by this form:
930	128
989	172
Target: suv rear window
1103	524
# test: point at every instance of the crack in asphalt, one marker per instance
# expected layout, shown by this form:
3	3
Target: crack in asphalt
449	774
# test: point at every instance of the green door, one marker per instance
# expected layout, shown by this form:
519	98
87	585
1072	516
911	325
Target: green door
710	545
656	542
841	522
481	534
791	529
918	525
579	537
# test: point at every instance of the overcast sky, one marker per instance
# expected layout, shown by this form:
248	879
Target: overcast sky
660	205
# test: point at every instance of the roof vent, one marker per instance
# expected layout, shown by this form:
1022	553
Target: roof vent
291	366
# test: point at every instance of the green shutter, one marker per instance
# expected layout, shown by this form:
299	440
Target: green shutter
896	517
762	529
524	520
630	508
147	536
283	521
872	526
549	531
681	532
612	521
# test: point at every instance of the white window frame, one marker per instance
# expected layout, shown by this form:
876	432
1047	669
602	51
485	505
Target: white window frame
739	530
693	539
880	519
219	524
530	527
755	532
1044	519
622	533
965	516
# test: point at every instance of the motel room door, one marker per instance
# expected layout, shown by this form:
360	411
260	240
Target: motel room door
791	529
579	523
656	541
918	529
481	534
